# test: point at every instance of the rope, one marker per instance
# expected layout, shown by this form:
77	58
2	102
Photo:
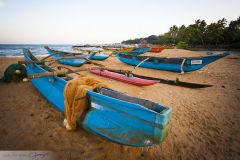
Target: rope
140	64
182	71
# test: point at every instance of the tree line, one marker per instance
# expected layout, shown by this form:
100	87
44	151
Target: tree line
220	34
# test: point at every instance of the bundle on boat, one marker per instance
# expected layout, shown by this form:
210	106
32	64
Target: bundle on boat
112	115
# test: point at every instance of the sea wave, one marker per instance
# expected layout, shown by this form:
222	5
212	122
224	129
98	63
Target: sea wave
11	50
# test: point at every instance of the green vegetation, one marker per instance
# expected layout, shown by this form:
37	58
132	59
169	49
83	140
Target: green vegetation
220	34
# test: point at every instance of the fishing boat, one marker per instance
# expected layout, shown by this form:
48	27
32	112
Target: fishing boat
140	50
58	54
183	64
113	115
63	57
123	78
144	50
126	49
99	57
157	49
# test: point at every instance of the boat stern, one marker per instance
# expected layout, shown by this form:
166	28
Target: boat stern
163	119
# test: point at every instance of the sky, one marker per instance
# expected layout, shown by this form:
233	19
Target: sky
102	21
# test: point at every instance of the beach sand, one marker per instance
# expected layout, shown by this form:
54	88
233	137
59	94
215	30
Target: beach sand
205	122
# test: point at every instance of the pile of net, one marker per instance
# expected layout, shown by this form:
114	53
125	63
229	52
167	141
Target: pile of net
76	101
14	73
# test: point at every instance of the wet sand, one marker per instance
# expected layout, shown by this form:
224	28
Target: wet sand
205	122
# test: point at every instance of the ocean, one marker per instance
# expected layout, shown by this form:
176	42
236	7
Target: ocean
15	50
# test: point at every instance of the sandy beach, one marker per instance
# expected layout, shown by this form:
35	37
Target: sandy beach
205	122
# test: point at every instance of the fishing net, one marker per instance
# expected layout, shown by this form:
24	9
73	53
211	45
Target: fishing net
14	73
76	101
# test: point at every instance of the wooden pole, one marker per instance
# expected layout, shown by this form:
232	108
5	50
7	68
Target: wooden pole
59	73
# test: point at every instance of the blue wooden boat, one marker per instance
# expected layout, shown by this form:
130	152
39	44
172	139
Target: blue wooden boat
92	56
141	50
170	64
113	115
99	57
76	61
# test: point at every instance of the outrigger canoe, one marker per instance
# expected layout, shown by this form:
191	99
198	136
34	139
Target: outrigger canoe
99	57
92	56
169	64
75	60
120	77
144	50
113	115
140	50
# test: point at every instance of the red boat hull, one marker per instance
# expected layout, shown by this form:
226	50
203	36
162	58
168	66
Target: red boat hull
123	78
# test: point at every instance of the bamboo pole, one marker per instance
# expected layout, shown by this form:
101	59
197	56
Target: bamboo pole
59	73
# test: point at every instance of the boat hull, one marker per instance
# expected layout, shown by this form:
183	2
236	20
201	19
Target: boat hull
157	50
75	62
99	57
113	115
123	78
126	123
140	50
170	64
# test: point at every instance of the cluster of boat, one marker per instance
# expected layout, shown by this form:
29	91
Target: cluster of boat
113	115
